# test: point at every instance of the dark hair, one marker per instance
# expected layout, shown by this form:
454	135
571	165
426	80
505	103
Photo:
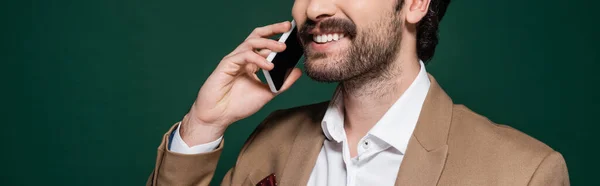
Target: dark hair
427	28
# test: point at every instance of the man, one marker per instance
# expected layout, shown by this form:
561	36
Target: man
389	122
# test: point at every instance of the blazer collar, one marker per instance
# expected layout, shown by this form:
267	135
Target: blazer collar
427	149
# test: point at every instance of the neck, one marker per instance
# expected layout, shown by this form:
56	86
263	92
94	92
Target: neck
368	97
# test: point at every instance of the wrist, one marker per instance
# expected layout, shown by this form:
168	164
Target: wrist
195	132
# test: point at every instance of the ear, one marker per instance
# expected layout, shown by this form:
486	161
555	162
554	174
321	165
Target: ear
417	9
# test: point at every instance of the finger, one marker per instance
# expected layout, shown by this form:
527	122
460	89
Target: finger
271	30
264	52
264	33
256	77
252	69
264	43
249	57
294	75
260	43
265	93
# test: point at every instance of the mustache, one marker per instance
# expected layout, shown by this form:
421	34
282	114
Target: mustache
331	25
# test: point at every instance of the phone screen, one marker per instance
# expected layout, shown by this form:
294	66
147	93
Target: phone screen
284	62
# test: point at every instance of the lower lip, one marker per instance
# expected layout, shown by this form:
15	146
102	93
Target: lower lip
326	47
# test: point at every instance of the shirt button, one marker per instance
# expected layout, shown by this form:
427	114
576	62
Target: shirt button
366	143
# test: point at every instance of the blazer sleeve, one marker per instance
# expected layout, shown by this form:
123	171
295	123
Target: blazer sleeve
197	169
173	168
551	172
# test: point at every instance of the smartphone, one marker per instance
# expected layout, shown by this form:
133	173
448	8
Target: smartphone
284	62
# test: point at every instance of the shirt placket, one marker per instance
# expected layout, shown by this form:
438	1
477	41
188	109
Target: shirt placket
353	165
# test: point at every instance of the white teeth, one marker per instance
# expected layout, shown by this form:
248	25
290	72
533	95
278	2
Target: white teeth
324	38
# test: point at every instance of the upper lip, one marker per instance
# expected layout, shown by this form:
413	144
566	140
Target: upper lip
318	30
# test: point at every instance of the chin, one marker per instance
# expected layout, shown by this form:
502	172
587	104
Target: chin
325	69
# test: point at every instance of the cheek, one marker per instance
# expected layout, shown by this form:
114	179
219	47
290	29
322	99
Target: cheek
362	12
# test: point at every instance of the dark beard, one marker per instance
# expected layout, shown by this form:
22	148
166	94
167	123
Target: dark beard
372	51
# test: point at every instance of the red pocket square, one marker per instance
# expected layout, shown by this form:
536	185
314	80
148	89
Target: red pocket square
268	181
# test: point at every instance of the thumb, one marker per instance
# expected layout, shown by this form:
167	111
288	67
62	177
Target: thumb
291	79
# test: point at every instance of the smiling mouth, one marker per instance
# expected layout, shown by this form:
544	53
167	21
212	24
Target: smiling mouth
325	38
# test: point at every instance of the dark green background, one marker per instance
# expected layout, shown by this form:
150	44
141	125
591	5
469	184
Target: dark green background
89	87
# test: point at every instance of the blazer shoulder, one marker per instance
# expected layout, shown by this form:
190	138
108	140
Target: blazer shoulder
503	137
291	119
279	128
482	151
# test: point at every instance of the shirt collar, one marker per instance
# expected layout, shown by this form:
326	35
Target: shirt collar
396	125
333	121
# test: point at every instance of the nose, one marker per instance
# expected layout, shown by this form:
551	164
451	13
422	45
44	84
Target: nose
321	9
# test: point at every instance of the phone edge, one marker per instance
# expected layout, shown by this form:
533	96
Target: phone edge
272	55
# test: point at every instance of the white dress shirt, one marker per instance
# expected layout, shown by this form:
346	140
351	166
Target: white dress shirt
380	152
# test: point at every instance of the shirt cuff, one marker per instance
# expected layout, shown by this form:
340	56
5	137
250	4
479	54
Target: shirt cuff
179	146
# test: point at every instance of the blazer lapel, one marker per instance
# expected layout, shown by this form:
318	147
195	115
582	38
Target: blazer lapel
427	148
421	167
305	151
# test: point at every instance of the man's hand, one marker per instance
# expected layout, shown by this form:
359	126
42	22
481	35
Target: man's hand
233	91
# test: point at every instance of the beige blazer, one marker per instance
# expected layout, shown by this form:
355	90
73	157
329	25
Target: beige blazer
451	145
